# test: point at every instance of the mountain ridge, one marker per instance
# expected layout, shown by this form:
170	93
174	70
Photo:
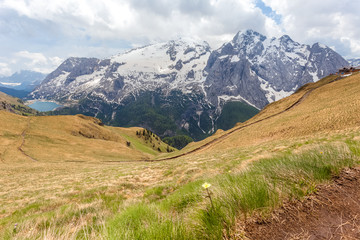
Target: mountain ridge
23	80
188	78
270	68
93	175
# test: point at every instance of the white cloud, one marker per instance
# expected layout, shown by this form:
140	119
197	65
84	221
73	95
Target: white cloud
333	22
35	58
56	61
92	28
35	61
143	21
96	28
5	70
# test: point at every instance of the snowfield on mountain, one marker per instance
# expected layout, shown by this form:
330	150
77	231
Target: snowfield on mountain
187	83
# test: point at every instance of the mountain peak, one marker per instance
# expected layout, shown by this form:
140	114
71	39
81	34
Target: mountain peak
184	74
173	46
286	38
354	62
320	45
247	36
273	68
248	32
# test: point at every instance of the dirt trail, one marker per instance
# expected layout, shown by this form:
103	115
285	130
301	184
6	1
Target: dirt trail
333	212
219	139
23	134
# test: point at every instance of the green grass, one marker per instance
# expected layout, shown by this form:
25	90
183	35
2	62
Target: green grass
188	214
183	198
140	145
353	146
174	209
149	145
143	221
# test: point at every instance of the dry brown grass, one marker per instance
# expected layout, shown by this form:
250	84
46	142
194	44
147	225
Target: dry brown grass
71	138
6	98
15	105
80	162
331	106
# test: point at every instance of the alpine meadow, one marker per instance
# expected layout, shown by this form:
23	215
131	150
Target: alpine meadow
71	177
179	120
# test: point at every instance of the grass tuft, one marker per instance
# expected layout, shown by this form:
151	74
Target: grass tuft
144	222
260	189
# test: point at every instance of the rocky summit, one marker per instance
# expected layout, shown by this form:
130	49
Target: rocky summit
260	70
183	87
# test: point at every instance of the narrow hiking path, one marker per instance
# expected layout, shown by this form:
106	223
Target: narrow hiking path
23	134
222	137
219	139
332	212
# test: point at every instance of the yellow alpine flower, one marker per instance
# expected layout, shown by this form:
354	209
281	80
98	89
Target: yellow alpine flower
206	185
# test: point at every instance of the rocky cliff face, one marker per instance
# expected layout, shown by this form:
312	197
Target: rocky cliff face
183	85
262	70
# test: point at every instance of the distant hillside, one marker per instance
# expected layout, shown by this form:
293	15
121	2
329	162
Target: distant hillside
14	92
74	139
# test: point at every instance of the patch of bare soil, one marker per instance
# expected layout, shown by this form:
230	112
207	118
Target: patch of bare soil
333	212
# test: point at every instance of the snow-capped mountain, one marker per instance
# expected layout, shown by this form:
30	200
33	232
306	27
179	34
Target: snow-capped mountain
172	65
260	70
22	80
170	74
354	62
184	85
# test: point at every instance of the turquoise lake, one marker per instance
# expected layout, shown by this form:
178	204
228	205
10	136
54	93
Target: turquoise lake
44	106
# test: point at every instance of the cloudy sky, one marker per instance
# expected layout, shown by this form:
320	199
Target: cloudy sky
40	34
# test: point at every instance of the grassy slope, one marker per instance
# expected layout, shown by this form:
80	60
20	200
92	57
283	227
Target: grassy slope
293	151
15	105
331	106
71	138
251	170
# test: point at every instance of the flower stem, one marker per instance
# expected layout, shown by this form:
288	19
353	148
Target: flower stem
212	205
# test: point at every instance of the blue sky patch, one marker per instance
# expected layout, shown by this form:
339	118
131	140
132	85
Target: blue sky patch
266	10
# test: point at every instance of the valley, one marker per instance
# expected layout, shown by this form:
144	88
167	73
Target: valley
179	120
79	179
183	87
